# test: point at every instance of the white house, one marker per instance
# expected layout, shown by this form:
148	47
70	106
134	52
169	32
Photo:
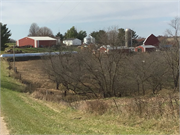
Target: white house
72	41
89	40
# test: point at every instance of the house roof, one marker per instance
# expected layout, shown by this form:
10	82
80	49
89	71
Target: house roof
89	36
151	40
42	38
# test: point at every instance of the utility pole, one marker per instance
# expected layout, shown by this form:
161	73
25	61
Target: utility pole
14	57
0	34
131	38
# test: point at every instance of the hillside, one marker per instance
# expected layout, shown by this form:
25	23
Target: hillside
27	115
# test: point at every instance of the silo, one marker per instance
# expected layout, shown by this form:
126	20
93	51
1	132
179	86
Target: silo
92	40
128	35
87	40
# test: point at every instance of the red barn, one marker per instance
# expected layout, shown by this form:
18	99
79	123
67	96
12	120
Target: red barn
36	42
151	40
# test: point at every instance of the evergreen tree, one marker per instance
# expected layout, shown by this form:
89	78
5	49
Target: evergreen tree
98	35
5	34
60	35
71	33
81	35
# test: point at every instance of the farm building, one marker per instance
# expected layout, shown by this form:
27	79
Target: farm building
89	40
151	43
145	48
72	41
36	42
108	49
151	40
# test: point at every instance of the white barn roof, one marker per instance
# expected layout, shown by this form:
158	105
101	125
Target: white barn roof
148	46
42	38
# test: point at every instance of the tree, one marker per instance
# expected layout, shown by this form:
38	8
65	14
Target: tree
60	36
81	35
5	34
98	35
108	37
12	40
34	30
71	33
45	31
121	36
85	73
113	36
147	71
172	55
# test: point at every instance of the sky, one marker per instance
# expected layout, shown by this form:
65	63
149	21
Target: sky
143	16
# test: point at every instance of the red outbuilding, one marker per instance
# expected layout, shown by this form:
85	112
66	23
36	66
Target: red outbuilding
151	40
145	48
36	42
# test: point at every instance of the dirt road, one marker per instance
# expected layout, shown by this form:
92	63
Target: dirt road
3	128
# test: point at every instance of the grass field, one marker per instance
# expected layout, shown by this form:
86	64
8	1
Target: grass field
36	50
26	115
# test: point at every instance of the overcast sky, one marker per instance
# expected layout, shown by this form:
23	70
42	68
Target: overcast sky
143	16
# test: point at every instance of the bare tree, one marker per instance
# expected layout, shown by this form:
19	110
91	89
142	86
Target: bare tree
110	36
68	70
45	31
34	29
147	71
172	55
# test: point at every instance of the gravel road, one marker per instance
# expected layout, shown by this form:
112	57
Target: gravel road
3	128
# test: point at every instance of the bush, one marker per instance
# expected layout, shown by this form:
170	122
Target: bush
97	107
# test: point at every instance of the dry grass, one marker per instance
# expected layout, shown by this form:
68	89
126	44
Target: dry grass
159	112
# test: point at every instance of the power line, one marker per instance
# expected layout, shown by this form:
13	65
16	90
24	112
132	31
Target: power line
71	10
58	8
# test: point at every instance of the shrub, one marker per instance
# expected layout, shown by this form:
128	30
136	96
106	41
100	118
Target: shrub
97	107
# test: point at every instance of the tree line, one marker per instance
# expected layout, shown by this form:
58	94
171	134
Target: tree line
35	30
113	36
101	36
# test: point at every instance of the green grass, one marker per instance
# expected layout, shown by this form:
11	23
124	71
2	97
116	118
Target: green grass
32	50
26	115
36	50
10	44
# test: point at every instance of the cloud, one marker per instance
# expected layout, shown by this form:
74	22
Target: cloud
79	11
145	16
